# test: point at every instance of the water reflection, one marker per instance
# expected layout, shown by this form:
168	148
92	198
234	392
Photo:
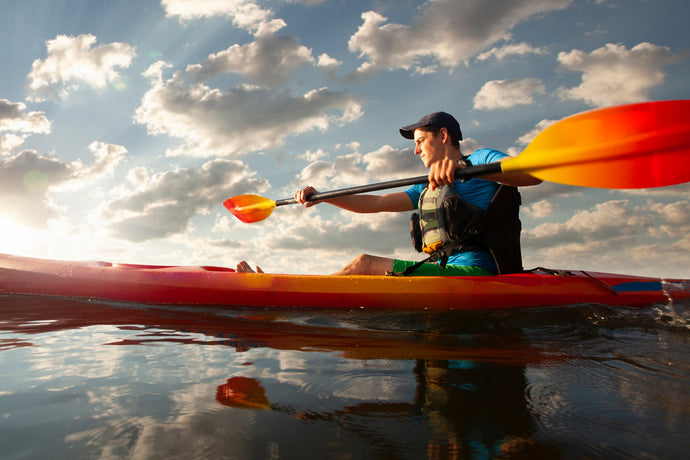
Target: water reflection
94	380
243	392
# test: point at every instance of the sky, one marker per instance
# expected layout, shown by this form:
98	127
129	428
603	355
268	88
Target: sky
125	124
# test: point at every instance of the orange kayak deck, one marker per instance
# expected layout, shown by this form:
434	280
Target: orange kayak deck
219	286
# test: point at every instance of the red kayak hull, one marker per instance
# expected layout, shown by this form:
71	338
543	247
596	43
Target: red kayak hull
218	286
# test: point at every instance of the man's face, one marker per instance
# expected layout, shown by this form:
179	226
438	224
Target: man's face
428	146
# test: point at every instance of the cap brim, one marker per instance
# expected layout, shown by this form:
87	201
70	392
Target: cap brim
408	131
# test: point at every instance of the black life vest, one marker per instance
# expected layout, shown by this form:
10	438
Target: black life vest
446	223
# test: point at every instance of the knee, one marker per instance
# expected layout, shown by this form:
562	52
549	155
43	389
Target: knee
359	264
360	260
365	264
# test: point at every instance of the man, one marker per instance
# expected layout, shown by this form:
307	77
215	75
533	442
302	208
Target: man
437	139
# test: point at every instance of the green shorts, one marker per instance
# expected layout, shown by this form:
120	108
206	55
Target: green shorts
436	270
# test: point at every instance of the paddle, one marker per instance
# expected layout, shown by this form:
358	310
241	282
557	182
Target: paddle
622	147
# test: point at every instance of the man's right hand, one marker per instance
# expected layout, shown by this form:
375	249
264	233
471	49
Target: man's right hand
442	172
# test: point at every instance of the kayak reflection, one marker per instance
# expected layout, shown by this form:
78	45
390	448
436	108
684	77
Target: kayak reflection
354	334
470	389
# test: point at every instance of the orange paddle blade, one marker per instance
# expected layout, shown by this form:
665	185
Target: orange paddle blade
623	147
243	392
250	208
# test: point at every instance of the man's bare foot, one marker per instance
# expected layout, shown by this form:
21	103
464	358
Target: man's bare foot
243	267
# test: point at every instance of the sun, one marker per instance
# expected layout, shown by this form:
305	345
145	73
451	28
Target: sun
14	237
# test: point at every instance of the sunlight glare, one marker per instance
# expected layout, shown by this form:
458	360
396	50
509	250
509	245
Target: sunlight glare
14	238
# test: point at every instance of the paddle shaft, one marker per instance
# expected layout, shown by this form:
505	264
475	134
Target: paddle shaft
464	173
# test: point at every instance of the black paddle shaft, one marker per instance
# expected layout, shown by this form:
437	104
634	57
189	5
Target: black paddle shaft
464	173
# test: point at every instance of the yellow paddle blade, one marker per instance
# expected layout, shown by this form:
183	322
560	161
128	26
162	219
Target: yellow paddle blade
629	146
250	208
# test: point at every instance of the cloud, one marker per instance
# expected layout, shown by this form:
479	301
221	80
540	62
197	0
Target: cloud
529	136
446	33
384	164
512	49
540	209
269	60
615	236
307	2
546	191
28	179
157	205
502	94
328	62
14	171
74	60
241	120
245	14
18	124
613	75
313	229
612	221
107	157
675	216
388	163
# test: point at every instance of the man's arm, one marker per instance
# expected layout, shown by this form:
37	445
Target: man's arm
392	202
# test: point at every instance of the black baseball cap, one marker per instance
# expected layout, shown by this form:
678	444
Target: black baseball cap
437	119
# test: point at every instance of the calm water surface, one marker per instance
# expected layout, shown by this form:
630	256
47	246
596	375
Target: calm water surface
93	380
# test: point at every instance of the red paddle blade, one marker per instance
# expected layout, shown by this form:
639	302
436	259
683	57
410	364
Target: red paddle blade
250	208
623	147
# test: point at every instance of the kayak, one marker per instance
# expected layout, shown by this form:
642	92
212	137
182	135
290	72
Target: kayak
221	286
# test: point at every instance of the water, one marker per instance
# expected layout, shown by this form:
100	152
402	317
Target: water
90	380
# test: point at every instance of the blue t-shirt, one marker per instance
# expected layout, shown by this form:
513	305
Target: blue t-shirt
478	192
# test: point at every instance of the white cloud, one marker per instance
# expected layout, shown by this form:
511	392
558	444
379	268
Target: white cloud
613	75
307	2
75	60
27	181
347	170
388	163
673	214
615	236
162	204
241	120
18	124
107	156
501	94
245	14
529	136
14	118
308	229
317	174
270	60
328	62
540	209
446	33
609	221
512	49
313	155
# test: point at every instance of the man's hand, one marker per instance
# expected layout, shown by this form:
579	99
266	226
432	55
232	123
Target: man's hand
303	195
442	172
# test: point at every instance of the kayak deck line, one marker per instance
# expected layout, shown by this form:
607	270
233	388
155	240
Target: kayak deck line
221	286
